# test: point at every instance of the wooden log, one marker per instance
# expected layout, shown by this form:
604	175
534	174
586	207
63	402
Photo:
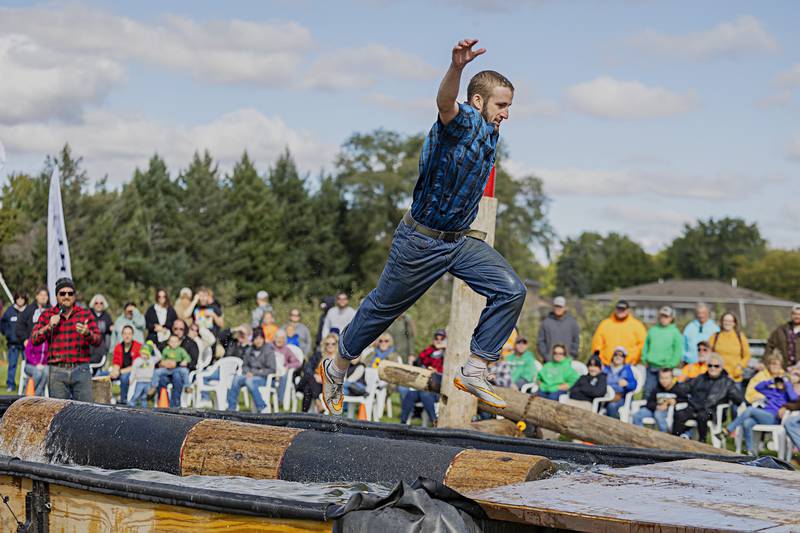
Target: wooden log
562	418
456	408
114	438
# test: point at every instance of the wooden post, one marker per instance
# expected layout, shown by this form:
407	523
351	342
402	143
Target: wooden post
456	407
563	418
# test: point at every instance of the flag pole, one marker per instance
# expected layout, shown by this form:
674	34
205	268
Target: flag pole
5	289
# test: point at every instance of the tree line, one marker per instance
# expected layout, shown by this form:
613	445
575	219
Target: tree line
301	236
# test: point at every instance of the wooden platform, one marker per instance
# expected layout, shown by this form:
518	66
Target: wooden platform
683	496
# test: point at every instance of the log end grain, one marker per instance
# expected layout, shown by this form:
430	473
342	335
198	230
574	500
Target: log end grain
473	470
24	428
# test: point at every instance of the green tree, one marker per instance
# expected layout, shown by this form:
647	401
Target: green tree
376	172
256	246
592	263
200	213
326	254
714	249
777	273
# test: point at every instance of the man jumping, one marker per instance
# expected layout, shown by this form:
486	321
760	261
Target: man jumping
434	236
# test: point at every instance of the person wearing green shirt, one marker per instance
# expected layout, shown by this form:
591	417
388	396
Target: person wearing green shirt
663	348
522	363
557	376
172	367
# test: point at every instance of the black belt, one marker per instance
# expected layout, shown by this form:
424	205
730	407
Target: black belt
67	365
447	236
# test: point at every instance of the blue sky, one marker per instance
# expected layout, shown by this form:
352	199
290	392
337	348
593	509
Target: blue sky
638	115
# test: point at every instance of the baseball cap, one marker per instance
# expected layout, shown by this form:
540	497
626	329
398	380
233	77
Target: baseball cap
666	311
262	295
440	333
560	301
796	307
621	349
622	304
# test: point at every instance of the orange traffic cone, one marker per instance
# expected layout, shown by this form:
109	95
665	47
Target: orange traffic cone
30	390
163	399
362	412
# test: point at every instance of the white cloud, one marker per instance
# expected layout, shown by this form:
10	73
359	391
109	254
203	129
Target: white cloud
361	67
652	227
418	106
40	82
738	38
621	183
115	145
231	51
617	99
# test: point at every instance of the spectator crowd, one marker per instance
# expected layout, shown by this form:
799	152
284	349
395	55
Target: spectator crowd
687	382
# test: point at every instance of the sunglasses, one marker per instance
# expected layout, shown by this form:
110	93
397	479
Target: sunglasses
714	366
703	350
331	343
383	342
66	293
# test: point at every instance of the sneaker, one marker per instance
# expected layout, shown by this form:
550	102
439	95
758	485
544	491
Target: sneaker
479	387
332	393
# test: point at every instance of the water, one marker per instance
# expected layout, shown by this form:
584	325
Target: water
337	493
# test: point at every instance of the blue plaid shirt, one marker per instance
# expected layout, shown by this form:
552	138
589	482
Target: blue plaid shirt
454	165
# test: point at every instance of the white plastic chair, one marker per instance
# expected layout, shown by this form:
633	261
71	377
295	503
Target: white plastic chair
598	404
23	379
228	368
368	400
626	410
579	367
98	365
776	432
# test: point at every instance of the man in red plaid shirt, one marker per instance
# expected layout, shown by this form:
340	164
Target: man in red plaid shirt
70	332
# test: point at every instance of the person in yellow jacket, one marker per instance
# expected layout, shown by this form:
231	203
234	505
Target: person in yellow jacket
692	370
773	368
732	345
620	329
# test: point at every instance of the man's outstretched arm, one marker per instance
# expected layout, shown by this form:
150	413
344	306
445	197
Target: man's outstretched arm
448	89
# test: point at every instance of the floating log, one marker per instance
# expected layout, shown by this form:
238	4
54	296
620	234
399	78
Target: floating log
548	414
62	431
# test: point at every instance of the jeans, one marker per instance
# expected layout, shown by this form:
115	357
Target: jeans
792	427
555	395
650	382
411	398
252	385
70	383
124	384
139	394
749	418
163	376
14	352
660	416
415	263
39	375
612	408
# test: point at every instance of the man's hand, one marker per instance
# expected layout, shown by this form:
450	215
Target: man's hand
463	53
82	327
448	89
54	320
623	382
563	386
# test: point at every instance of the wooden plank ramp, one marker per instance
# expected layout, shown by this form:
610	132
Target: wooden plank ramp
695	496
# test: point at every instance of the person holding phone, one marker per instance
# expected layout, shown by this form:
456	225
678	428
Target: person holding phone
70	332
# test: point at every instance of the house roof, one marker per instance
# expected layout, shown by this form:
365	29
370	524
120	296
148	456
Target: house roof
687	290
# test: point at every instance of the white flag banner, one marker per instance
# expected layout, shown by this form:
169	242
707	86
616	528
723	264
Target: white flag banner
58	264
